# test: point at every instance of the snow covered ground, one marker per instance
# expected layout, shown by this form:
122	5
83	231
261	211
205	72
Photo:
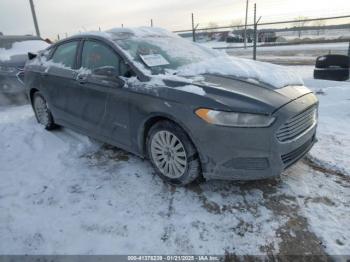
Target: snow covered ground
303	54
63	193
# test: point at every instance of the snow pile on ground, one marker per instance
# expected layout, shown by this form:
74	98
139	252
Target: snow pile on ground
63	193
21	48
324	200
332	150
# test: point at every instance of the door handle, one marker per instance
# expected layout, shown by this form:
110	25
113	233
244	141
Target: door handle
81	79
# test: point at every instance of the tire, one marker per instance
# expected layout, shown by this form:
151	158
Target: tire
42	112
167	141
326	61
335	74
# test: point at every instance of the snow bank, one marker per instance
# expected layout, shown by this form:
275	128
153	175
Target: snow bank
72	195
21	48
324	202
333	148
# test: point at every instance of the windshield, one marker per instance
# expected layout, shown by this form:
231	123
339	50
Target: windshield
165	53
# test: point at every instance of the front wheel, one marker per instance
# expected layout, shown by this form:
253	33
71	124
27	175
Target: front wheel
172	154
42	112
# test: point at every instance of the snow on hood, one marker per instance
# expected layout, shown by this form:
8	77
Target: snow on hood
249	70
21	48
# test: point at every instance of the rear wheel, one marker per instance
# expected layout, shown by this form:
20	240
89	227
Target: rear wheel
172	154
42	112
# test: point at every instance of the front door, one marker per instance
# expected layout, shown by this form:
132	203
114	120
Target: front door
101	101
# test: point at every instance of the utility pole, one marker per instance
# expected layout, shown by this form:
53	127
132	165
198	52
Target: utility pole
255	33
193	30
151	22
245	26
256	22
349	54
34	18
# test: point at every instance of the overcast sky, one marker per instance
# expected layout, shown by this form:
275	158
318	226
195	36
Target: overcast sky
72	16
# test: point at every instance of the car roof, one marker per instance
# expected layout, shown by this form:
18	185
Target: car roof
120	33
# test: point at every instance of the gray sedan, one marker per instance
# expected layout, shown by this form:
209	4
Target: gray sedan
192	111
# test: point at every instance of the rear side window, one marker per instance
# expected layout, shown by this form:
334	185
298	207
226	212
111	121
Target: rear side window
96	54
65	54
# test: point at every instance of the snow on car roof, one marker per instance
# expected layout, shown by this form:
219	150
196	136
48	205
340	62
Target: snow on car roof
122	33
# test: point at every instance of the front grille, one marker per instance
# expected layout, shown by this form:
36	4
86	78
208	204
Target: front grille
245	163
297	125
296	154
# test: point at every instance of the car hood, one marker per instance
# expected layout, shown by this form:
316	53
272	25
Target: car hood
270	75
244	96
231	94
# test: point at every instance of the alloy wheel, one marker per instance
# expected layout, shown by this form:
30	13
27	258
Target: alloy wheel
41	110
169	154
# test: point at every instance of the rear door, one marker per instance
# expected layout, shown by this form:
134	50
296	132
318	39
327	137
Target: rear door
59	79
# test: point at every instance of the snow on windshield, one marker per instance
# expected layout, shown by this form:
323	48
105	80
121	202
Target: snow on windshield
21	48
186	58
155	42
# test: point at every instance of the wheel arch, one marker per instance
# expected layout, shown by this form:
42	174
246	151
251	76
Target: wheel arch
152	120
31	94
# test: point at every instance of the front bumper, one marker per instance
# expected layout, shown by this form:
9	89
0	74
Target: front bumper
254	153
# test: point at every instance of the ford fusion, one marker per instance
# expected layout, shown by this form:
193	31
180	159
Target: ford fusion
192	111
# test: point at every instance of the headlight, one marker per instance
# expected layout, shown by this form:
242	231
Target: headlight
222	118
8	69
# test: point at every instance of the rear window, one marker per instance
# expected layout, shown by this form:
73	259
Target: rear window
65	54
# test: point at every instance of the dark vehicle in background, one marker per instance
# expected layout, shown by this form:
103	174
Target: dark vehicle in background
125	87
13	56
332	67
264	36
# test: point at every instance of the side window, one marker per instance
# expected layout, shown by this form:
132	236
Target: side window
97	55
65	54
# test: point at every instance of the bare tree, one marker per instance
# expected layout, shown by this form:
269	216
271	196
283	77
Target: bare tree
300	23
212	25
319	24
236	23
210	32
